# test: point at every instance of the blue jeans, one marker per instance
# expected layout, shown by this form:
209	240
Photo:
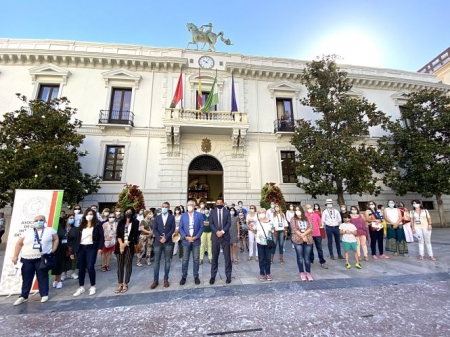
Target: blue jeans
29	268
86	256
167	248
264	259
195	256
279	242
333	232
318	244
303	251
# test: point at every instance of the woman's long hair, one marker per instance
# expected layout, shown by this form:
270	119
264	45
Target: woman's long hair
302	216
83	222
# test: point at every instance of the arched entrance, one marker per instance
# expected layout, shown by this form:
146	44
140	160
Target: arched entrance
205	179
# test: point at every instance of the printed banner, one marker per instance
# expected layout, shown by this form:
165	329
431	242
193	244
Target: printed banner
27	205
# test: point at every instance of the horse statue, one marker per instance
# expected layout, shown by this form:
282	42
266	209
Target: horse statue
208	37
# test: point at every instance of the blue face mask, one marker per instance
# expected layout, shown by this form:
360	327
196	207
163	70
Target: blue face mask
164	210
71	221
329	205
391	205
39	224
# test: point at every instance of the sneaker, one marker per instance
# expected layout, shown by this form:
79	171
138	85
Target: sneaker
268	277
44	299
92	291
358	266
20	300
384	256
332	257
63	277
139	264
303	276
309	277
348	265
59	285
74	276
55	284
79	291
262	278
374	257
324	266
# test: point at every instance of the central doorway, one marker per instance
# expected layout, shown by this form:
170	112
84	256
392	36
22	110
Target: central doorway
205	180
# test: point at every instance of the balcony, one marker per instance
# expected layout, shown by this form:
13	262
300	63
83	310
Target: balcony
283	125
116	117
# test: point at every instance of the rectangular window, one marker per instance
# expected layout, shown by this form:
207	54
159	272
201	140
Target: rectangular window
428	204
406	123
204	98
114	163
47	92
120	105
288	167
285	115
362	205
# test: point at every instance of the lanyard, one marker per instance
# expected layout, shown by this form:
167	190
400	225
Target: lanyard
36	238
331	214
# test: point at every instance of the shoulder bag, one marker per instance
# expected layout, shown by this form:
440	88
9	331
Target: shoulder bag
270	243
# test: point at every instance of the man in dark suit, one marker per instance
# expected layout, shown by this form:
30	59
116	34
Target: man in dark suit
220	223
191	229
163	229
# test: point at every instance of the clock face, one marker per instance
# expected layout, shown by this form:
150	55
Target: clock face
206	62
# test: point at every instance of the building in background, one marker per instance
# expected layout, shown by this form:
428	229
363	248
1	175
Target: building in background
439	66
123	94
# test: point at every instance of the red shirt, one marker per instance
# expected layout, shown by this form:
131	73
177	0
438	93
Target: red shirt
315	219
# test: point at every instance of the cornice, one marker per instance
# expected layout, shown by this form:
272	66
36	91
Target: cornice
105	130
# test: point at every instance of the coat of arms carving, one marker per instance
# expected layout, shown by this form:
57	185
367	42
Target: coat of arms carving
206	145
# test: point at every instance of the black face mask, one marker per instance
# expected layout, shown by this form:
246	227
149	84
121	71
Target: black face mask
128	215
219	206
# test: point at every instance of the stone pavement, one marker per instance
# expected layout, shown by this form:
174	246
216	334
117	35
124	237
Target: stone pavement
386	297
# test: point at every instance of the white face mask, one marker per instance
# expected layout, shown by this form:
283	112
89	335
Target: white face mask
291	208
106	214
111	219
298	213
202	206
190	208
261	216
310	210
117	213
232	212
77	211
141	212
416	205
89	217
277	208
343	208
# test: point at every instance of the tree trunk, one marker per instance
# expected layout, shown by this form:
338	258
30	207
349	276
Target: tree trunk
340	192
440	204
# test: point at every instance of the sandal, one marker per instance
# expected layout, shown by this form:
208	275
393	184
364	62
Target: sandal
124	289
432	258
107	268
104	268
420	257
118	290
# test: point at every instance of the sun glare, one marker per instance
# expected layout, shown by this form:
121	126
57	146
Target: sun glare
356	48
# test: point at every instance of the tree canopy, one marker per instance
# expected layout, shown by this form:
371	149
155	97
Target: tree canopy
332	155
39	149
415	156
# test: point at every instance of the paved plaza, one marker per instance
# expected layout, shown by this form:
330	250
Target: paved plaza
395	297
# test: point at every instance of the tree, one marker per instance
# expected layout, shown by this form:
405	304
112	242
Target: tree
332	154
131	196
417	150
271	192
39	149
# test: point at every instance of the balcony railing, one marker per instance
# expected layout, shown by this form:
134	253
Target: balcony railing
283	125
207	117
116	117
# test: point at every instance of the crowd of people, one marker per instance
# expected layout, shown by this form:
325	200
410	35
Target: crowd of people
203	230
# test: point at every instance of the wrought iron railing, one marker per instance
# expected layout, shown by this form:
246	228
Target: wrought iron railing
283	125
213	116
116	117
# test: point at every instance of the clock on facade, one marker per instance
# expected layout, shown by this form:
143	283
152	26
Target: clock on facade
206	62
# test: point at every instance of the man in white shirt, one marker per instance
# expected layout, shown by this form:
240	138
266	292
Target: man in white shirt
331	218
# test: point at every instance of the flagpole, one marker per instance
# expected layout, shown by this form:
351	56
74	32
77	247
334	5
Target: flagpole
181	73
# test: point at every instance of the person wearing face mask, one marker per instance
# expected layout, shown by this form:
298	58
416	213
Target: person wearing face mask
374	220
163	229
281	225
406	221
191	229
146	239
78	215
289	215
220	222
343	212
264	230
88	242
104	215
177	248
318	211
316	223
118	214
241	208
243	231
95	209
234	235
140	216
421	227
65	233
127	239
110	232
362	232
302	238
252	218
271	211
206	238
395	240
202	208
35	241
331	218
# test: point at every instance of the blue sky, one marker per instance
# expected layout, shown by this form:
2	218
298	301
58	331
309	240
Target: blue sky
399	34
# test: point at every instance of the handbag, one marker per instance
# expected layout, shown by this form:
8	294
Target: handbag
270	243
110	243
138	247
48	261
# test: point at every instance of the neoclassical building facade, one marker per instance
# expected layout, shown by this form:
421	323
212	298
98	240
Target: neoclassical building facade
123	94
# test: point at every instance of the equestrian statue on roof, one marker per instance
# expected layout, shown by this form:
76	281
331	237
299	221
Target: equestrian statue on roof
207	37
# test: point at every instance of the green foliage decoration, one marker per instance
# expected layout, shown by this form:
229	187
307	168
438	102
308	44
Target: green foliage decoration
271	192
132	196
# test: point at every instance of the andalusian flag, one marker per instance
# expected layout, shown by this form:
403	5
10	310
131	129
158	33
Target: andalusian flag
213	97
199	93
178	93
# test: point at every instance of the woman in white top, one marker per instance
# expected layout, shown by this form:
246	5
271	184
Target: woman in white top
109	230
421	226
289	215
263	230
396	239
31	245
252	218
279	221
